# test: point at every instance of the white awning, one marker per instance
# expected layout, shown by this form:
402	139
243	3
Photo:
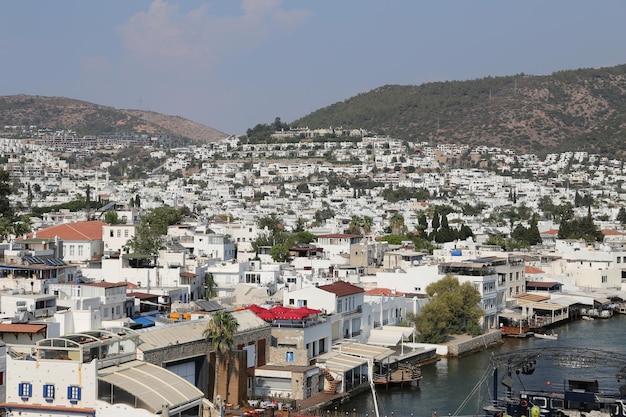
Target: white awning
389	335
361	350
342	363
152	385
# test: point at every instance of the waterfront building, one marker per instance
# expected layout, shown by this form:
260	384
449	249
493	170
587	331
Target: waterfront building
93	373
182	349
483	276
341	301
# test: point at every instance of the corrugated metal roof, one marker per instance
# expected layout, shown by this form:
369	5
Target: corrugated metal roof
178	333
208	305
186	332
152	385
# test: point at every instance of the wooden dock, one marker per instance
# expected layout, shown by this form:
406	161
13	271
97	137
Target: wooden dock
400	376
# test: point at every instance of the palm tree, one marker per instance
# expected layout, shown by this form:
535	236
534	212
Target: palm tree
220	332
368	222
355	225
396	223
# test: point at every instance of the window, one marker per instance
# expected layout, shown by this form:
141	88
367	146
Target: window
48	392
72	249
73	393
619	259
25	390
111	233
119	232
125	232
80	250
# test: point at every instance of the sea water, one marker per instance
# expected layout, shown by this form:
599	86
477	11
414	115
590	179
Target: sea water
452	382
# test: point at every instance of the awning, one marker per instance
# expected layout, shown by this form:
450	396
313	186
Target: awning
153	386
342	363
389	336
376	353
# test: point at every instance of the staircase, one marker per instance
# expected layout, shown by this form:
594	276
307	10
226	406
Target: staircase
331	387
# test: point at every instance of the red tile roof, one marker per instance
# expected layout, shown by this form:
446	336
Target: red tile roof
384	291
89	230
104	284
540	284
142	295
341	288
532	270
21	328
611	232
551	232
338	236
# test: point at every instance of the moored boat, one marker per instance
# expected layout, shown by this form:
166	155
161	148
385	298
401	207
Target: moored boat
549	336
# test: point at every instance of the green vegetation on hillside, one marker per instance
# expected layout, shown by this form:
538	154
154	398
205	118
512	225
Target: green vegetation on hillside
581	109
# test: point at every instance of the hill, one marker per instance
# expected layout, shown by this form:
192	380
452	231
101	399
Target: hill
92	119
582	109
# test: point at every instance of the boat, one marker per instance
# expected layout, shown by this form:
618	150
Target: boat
576	397
549	336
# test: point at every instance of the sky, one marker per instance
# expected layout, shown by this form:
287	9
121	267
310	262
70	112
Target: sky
231	64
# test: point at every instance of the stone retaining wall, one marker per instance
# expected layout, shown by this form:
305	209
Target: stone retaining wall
475	344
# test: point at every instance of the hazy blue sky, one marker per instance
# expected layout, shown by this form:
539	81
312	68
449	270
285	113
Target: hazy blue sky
231	64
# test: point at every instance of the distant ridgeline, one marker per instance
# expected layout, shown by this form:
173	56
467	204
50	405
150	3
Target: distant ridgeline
582	109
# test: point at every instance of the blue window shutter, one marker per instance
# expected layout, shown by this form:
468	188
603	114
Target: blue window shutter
73	393
48	392
25	390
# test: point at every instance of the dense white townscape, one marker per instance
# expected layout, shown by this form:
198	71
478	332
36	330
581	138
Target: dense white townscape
73	288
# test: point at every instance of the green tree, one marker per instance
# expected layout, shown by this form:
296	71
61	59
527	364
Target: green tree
393	239
368	222
210	286
621	215
452	309
272	222
111	217
396	224
354	226
161	217
220	333
300	225
280	252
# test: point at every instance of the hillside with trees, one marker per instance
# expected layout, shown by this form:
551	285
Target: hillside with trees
582	109
86	118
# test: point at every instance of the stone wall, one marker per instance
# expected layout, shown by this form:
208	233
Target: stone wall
475	344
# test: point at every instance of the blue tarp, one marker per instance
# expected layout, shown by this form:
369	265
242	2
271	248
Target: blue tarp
145	321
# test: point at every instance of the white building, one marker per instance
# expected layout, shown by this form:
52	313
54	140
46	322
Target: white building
94	373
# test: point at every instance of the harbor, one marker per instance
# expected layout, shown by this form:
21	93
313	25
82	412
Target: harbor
446	383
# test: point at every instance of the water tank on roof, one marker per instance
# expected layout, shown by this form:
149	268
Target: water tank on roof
457	252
